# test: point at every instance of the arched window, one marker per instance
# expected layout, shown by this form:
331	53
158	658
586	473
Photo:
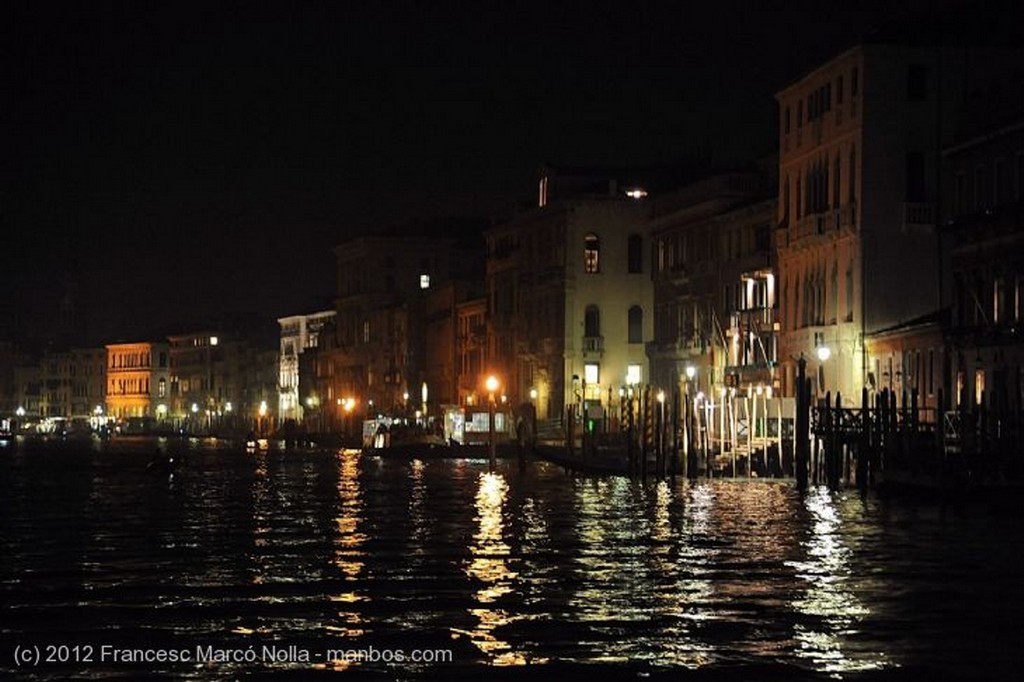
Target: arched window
636	324
591	253
636	254
852	177
592	322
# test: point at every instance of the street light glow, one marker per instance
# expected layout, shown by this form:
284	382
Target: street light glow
491	384
824	353
691	371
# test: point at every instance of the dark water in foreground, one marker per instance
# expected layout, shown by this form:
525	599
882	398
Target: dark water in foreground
517	574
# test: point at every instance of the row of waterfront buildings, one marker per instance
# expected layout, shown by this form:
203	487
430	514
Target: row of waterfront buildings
883	244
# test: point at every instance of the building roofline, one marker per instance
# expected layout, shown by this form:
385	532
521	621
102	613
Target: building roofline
984	137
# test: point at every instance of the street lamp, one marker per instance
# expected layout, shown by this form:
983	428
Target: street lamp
824	353
491	384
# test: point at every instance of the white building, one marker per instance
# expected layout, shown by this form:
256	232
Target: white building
298	332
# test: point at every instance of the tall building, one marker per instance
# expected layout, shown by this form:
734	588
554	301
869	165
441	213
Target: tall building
298	334
984	240
471	348
859	142
569	296
88	381
138	380
385	284
222	381
714	282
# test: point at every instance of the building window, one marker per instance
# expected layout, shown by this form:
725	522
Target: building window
798	195
997	182
800	113
424	281
634	374
785	121
591	253
636	254
980	188
959	194
592	322
917	82
636	324
852	176
592	373
854	83
839	90
161	389
836	183
998	300
915	177
849	292
1019	193
833	294
366	331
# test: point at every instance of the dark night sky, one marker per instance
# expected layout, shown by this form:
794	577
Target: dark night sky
180	161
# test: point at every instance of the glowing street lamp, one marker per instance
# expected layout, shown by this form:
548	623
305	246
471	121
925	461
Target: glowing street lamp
491	384
824	353
262	411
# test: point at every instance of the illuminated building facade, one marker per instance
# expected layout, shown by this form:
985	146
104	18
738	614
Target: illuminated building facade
138	380
714	282
385	285
298	334
197	378
984	240
569	295
471	348
859	141
444	344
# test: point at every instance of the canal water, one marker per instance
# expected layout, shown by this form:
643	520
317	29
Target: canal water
510	574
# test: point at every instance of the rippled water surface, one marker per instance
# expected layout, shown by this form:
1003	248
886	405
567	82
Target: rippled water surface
514	572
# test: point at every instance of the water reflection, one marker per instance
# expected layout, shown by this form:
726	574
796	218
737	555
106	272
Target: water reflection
349	554
831	609
490	565
335	551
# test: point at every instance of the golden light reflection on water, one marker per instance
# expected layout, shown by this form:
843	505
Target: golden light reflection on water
348	544
490	565
827	598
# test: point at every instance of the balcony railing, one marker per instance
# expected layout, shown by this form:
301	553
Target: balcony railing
918	215
593	344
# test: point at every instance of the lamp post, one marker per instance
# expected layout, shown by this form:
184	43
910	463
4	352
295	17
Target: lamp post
824	353
491	384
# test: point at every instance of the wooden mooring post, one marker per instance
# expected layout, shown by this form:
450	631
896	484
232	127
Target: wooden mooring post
802	426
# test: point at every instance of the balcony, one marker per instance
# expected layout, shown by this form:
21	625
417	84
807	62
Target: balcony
593	345
918	217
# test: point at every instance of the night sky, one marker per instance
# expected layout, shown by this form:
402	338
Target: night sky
176	162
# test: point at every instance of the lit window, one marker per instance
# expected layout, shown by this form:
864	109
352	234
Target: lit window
214	340
633	374
424	281
591	253
591	373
